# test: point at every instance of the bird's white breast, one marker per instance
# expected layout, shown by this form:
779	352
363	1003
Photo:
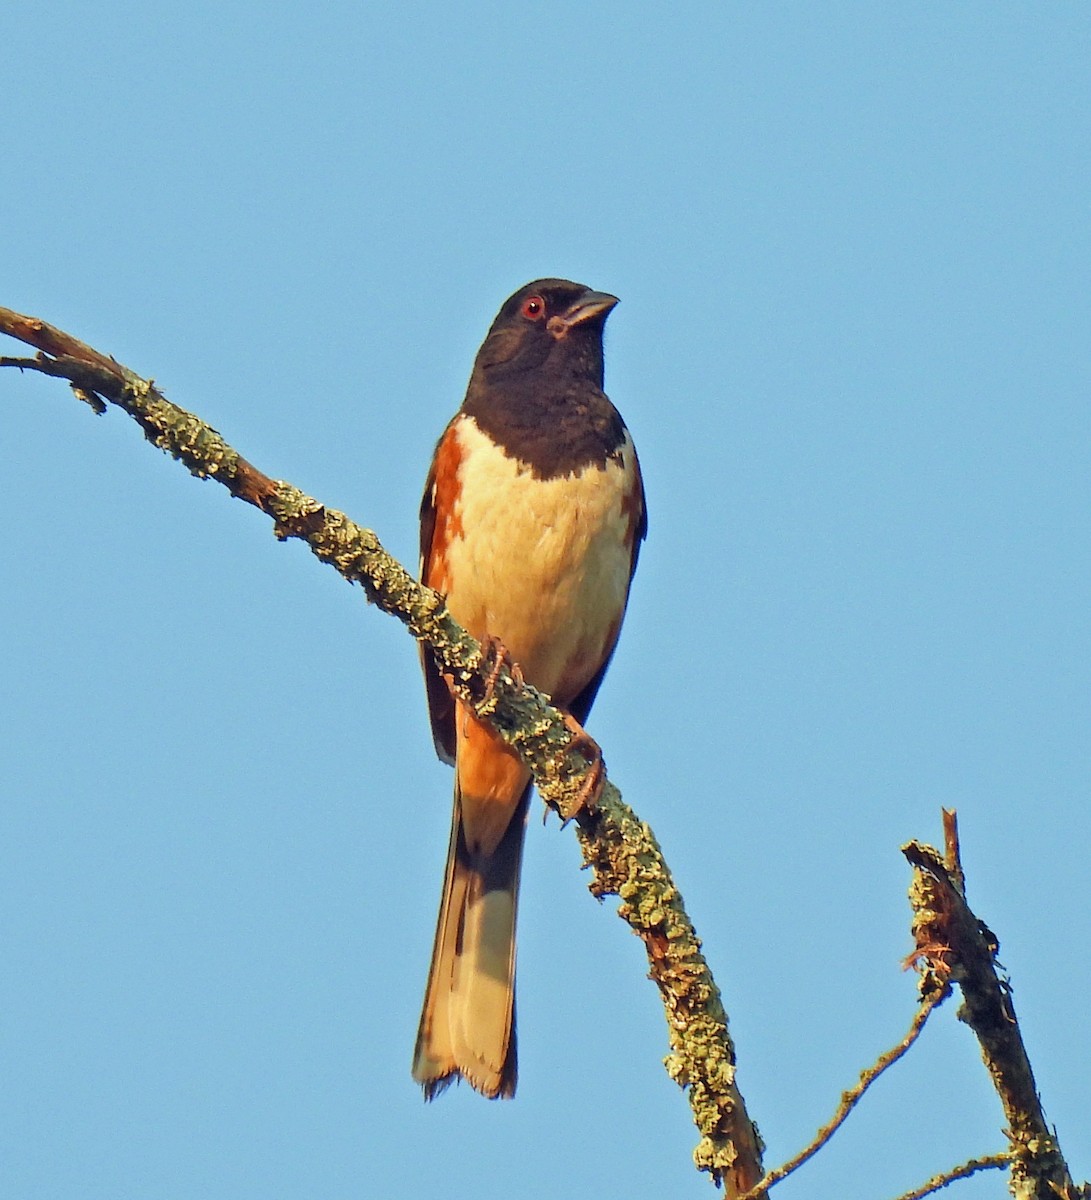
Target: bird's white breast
541	564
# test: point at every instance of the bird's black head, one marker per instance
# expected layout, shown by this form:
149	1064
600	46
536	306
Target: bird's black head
536	387
550	329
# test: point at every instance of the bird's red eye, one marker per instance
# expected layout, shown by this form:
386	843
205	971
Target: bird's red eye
533	308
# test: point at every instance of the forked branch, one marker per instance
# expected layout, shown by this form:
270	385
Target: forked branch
952	941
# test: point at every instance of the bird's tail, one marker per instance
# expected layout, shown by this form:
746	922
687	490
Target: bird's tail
467	1026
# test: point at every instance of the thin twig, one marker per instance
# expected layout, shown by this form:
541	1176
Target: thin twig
964	1171
851	1098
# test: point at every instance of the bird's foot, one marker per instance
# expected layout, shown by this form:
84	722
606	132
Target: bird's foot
495	657
593	780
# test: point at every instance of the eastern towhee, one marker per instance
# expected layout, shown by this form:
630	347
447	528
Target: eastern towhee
531	522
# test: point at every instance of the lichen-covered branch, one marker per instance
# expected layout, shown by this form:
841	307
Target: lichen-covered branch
622	850
950	937
626	860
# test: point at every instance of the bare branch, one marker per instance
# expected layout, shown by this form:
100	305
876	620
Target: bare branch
852	1097
964	1171
621	850
954	941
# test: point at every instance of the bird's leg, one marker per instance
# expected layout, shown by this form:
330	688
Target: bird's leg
583	743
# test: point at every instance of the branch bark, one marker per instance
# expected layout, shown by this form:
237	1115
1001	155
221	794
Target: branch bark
956	943
621	850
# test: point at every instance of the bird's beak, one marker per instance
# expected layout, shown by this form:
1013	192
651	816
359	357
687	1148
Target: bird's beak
589	305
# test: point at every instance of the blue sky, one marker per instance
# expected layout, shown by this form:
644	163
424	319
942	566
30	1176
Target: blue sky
851	243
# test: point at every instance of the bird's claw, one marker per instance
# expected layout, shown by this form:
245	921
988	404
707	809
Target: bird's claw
595	776
495	656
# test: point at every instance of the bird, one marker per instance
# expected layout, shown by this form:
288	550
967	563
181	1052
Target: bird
531	524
